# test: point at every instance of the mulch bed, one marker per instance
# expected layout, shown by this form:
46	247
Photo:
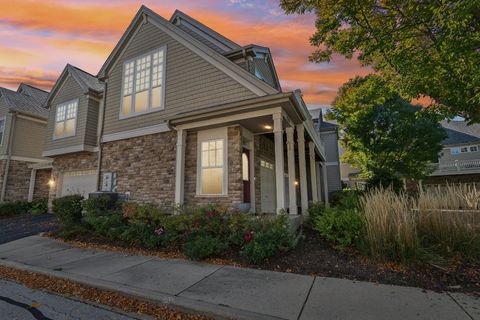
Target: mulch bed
316	256
88	294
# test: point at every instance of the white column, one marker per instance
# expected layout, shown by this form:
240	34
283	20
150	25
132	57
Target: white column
279	164
180	167
31	187
325	182
251	166
292	192
303	167
313	171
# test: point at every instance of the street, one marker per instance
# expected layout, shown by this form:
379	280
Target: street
22	303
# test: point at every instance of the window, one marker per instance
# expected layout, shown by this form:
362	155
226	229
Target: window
2	129
212	167
143	83
464	149
66	119
245	167
454	150
473	148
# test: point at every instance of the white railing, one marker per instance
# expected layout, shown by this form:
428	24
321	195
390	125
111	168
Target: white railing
456	166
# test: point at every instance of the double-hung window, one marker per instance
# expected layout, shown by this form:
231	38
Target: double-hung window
66	119
2	129
212	167
143	83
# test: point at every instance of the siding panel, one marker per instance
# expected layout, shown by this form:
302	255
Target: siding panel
29	138
191	82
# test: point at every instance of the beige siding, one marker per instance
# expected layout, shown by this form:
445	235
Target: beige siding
330	142
191	82
92	123
449	158
4	113
69	91
29	138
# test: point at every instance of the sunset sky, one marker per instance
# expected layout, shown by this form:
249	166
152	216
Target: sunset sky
38	38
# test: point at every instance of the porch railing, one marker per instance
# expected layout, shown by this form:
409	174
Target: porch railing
457	166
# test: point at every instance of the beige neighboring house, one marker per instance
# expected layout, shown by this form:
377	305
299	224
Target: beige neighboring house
181	115
459	160
23	122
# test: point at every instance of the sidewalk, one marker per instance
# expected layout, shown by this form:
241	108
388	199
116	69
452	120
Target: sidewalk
229	292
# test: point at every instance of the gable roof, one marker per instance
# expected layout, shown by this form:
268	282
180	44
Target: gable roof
88	82
234	71
459	132
36	93
23	103
203	33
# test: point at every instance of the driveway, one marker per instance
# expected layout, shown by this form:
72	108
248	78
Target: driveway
26	225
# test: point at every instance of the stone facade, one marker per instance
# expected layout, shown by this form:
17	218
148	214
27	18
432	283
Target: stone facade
235	183
42	188
18	181
145	167
79	161
264	150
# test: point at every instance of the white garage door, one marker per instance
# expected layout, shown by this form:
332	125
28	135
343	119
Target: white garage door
79	182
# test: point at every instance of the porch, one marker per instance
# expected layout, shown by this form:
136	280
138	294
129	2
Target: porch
273	160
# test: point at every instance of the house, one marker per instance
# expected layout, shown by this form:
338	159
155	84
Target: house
459	160
23	122
180	115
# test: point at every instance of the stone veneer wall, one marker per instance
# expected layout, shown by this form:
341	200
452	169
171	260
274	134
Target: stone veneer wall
145	167
264	150
41	188
235	183
79	161
18	181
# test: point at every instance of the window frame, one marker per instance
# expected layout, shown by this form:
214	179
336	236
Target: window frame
55	137
212	135
132	114
4	119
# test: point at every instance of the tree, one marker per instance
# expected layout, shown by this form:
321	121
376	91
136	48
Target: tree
385	136
424	48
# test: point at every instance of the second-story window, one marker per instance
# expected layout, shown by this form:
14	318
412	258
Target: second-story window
143	83
66	119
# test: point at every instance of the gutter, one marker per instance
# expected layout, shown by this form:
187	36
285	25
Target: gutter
9	156
100	133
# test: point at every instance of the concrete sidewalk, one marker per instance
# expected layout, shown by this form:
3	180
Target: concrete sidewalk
228	292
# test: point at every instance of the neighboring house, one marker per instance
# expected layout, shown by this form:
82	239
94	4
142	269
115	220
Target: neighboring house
181	115
329	138
459	160
23	122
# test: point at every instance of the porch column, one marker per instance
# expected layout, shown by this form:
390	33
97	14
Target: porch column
31	187
180	167
292	192
325	181
279	164
313	171
303	167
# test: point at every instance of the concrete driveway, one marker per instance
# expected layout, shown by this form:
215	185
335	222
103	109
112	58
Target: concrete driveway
18	227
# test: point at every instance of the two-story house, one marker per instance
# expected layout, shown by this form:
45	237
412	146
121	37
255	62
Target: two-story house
23	122
181	115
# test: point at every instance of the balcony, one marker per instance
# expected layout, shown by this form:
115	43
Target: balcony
457	167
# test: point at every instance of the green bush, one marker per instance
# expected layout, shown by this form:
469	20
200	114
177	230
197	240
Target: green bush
142	213
346	199
38	206
8	209
203	245
108	224
315	210
97	205
342	226
68	209
269	237
141	234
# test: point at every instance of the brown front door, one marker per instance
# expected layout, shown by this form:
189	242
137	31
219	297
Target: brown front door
246	175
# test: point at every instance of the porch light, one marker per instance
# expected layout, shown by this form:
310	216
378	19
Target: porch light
268	127
51	183
296	183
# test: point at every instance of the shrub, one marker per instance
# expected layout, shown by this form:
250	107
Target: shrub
8	209
142	213
97	205
269	237
108	224
346	199
141	234
38	206
68	209
201	245
342	226
315	210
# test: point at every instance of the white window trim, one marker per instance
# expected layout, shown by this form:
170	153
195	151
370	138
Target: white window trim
459	149
4	118
206	135
121	116
55	137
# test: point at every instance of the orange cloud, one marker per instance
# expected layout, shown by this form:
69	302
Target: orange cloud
12	77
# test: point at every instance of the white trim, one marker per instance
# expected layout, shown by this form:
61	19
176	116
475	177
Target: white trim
21	116
77	101
41	165
302	167
132	113
279	161
180	167
158	128
313	171
292	188
206	135
27	159
333	163
70	149
31	185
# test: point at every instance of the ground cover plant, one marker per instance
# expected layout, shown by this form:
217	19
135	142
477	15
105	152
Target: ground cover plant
197	232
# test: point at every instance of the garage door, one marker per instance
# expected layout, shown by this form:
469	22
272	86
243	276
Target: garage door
79	182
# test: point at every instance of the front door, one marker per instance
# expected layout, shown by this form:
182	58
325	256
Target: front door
246	175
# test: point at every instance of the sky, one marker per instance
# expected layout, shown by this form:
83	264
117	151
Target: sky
38	38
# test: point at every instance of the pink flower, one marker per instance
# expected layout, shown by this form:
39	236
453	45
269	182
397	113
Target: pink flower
248	236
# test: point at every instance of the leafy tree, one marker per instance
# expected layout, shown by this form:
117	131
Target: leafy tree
423	47
385	136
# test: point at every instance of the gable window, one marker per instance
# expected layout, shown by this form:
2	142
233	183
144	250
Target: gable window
212	163
2	129
66	119
143	84
473	149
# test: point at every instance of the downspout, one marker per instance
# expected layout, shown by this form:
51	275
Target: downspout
9	156
99	135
